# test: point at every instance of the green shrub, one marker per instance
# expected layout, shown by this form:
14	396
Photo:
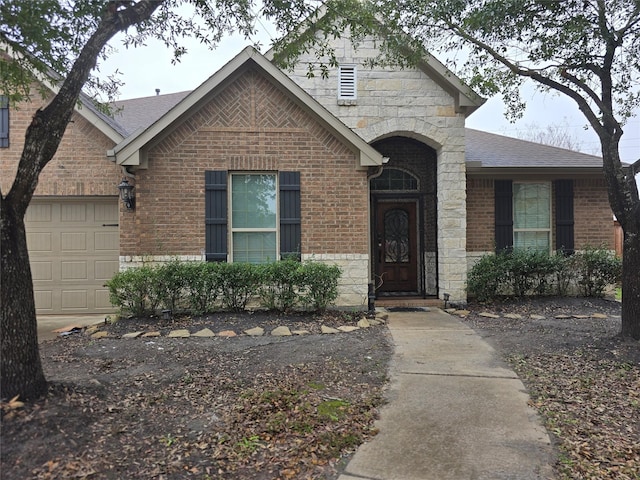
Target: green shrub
563	274
488	277
170	284
201	287
319	285
131	291
280	284
202	282
530	272
238	282
595	268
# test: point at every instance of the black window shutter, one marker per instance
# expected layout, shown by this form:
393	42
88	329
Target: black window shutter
4	121
216	216
564	216
503	215
290	223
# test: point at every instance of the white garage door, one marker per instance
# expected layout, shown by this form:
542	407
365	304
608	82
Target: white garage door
73	248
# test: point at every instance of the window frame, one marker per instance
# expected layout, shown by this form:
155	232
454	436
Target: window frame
549	229
232	230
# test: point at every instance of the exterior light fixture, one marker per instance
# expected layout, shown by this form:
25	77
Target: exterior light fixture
446	299
126	194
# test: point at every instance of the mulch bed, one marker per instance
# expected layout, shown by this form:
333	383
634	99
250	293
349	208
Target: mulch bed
583	378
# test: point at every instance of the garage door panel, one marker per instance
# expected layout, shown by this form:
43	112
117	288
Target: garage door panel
105	269
38	213
40	242
41	271
106	241
73	253
102	300
44	301
73	241
74	299
73	212
106	213
74	270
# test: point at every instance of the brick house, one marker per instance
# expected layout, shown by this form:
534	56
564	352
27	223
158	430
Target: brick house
371	169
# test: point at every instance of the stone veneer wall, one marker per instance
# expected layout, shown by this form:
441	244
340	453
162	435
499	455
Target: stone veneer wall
407	103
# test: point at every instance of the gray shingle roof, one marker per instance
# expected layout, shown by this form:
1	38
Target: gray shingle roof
498	151
138	113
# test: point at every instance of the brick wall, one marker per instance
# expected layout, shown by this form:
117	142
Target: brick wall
248	126
480	215
593	220
592	214
79	167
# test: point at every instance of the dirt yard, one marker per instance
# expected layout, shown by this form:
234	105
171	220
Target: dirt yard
242	407
297	406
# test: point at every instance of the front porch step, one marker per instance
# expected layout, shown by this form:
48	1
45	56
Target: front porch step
409	302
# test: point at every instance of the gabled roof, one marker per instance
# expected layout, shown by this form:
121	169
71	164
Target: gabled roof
131	151
490	151
85	107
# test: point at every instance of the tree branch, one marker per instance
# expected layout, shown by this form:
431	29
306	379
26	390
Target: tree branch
48	125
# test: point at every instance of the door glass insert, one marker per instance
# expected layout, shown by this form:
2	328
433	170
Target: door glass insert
396	231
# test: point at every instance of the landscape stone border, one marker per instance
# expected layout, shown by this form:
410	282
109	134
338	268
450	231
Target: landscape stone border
381	318
517	316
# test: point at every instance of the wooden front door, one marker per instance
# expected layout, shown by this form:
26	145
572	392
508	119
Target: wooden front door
396	247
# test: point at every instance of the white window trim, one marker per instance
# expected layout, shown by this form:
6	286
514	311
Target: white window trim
348	82
549	230
233	230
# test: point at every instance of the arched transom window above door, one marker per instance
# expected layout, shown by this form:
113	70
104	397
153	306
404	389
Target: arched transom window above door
394	179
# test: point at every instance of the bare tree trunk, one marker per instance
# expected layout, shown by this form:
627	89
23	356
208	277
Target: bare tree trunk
21	367
631	283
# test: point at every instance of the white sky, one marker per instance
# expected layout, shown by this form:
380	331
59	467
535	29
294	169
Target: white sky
146	68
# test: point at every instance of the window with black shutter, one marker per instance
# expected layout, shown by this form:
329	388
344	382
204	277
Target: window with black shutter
4	121
245	230
564	216
503	190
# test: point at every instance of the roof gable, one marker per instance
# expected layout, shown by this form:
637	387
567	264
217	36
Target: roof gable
132	151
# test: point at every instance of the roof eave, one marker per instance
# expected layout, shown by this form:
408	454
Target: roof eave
474	170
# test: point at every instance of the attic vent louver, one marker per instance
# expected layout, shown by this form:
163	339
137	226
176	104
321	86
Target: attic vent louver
347	82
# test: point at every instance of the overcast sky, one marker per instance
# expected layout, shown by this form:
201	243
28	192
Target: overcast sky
146	68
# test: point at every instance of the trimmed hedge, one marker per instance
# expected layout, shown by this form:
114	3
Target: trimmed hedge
203	287
529	273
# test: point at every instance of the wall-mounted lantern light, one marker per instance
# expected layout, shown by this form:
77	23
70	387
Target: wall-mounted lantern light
126	194
446	299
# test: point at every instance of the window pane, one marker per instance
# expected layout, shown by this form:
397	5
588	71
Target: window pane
253	200
254	247
531	205
531	240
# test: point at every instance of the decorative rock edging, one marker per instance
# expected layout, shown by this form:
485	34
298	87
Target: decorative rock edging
282	331
517	316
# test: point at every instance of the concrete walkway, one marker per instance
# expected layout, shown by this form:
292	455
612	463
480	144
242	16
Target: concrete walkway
455	411
48	323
